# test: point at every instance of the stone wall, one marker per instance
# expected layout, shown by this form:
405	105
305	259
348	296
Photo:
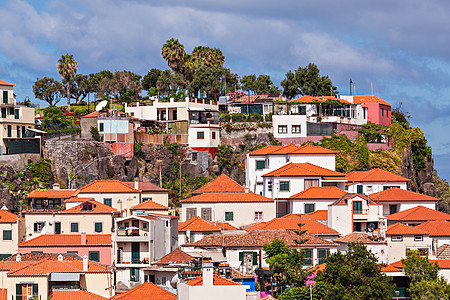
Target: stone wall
18	161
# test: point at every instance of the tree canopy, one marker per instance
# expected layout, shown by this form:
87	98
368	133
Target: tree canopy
48	89
67	67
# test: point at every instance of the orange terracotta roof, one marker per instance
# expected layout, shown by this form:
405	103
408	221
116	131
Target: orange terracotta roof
292	149
269	297
217	280
402	229
146	290
61	240
197	224
3	294
225	226
419	213
310	225
390	268
227	197
6	83
435	228
75	295
319	215
302	170
375	175
12	265
316	192
177	256
357	237
7	217
149	205
235	274
311	99
254	226
97	207
344	199
33	257
107	186
442	263
397	194
146	186
222	184
77	199
369	99
52	194
93	114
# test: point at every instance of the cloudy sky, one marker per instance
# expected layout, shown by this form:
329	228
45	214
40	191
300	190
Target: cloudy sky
398	47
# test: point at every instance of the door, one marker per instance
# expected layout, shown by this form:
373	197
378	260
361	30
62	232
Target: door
135	253
248	262
57	227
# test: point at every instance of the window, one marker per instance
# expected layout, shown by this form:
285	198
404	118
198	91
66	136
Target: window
5	96
98	226
357	207
307	261
369	189
3	112
258	215
134	274
146	199
9	131
269	186
11	111
194	156
397	238
323	254
87	206
260	164
192	237
73	227
296	129
94	256
213	135
309	207
26	291
167	224
16	114
229	216
7	235
200	135
284	186
144	225
206	214
386	187
38	226
382	112
107	201
18	132
190	213
57	227
311	182
359	189
392	209
356	227
72	252
282	128
101	127
418	238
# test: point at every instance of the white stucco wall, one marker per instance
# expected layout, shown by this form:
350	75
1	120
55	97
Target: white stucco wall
375	187
128	199
289	121
397	250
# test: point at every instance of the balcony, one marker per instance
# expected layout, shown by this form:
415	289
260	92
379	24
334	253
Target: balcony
132	235
133	262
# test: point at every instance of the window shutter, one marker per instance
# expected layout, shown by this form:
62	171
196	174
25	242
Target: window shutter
35	227
241	257
255	258
18	292
359	189
35	289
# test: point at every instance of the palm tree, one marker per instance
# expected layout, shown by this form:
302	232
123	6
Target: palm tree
173	52
67	68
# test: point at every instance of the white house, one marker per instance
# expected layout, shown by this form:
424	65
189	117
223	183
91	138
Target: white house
373	243
13	232
314	198
264	160
374	181
289	126
439	232
417	215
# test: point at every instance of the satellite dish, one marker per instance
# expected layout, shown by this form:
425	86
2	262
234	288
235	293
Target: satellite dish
101	105
44	230
371	227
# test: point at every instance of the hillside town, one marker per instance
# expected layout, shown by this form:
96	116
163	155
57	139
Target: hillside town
116	239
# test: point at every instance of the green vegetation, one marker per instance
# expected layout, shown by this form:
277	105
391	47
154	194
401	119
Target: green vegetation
42	172
96	136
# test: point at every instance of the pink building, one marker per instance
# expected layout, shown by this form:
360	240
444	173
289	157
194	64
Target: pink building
378	110
97	247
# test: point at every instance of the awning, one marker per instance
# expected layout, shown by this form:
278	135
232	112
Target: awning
36	130
196	109
58	276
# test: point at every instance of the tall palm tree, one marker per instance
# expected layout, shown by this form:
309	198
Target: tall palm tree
173	52
67	68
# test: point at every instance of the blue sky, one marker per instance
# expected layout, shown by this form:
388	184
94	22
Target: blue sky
399	47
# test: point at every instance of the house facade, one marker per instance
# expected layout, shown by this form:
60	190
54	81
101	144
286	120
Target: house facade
314	198
378	110
289	126
118	132
374	181
12	232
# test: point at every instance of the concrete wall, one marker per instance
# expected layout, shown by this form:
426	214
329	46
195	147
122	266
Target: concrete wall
18	161
86	124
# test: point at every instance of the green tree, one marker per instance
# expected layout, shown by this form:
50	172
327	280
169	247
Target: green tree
80	87
127	86
54	118
149	81
418	268
173	52
356	274
290	86
437	289
264	85
67	68
248	83
48	90
102	83
42	172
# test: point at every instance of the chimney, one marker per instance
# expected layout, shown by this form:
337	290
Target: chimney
136	184
247	189
85	263
56	186
83	237
18	257
60	257
208	272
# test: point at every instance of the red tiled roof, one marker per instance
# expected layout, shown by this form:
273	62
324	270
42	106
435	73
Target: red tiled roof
227	197
302	170
93	114
146	186
7	217
357	237
375	175
197	224
222	184
419	213
77	199
402	229
6	83
176	257
344	199
3	294
61	240
292	149
107	186
397	194
75	295
316	192
149	205
269	297
310	225
311	99
442	263
390	268
369	99
146	290
254	226
52	194
435	228
238	275
97	208
217	280
225	226
319	215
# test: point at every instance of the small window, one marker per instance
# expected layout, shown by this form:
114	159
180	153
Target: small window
359	189
296	129
5	97
98	227
192	237
282	129
213	134
382	112
38	226
72	252
11	111
3	112
260	164
309	207
144	225
167	224
397	238
269	186
73	227
418	238
229	216
392	209
258	215
7	235
94	256
307	261
200	135
9	131
16	114
107	201
194	156
284	186
357	207
132	114
101	127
